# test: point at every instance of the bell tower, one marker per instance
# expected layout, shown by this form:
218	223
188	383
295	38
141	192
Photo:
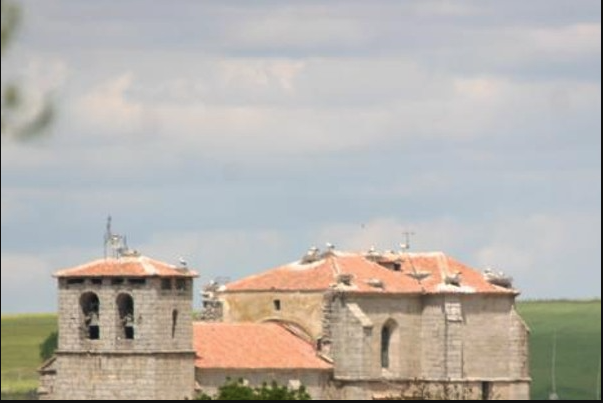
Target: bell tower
125	331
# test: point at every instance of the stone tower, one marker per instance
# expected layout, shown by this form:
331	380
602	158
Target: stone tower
125	332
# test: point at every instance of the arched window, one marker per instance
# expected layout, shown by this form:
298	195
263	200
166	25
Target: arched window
387	335
90	309
125	310
174	323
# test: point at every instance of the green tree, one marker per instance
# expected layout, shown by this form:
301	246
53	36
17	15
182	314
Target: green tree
10	21
237	390
18	119
49	346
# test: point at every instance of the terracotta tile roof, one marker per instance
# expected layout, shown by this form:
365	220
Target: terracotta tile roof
253	346
323	274
440	266
125	267
420	273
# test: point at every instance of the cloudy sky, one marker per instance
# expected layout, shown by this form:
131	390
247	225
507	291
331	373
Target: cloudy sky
239	133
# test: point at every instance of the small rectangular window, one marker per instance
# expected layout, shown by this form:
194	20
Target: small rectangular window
166	284
117	281
454	311
94	333
75	281
181	284
278	305
137	281
486	390
97	281
129	333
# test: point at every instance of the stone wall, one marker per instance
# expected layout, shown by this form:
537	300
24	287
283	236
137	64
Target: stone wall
496	339
153	318
175	376
302	309
317	382
440	338
519	351
417	390
476	341
48	376
432	334
473	337
124	377
357	346
158	363
352	336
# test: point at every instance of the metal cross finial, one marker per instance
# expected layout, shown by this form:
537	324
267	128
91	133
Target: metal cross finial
406	245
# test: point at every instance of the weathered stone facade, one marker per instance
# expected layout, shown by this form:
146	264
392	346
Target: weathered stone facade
479	343
123	337
124	376
348	327
304	309
476	343
465	338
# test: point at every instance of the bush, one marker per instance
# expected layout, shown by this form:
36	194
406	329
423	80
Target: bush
239	391
49	346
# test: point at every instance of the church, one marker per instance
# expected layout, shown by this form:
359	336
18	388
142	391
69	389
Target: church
348	326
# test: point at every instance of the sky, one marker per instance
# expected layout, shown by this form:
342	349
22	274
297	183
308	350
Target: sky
238	134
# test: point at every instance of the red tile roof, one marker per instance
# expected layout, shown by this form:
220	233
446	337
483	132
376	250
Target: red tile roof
421	273
253	346
440	266
126	267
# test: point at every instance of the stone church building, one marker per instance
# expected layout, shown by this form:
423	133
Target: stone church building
369	326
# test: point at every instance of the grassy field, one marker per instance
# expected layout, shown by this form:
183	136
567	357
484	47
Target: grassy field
577	325
21	336
578	329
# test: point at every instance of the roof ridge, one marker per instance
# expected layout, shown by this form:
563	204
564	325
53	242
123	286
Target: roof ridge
443	265
437	266
148	265
136	266
336	269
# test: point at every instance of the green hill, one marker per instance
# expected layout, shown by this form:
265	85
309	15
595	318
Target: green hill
21	337
578	329
577	325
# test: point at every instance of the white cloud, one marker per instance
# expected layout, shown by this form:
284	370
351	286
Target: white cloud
19	269
288	27
46	75
215	251
307	109
555	256
540	238
261	73
422	107
17	157
108	106
572	40
443	234
27	283
445	8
